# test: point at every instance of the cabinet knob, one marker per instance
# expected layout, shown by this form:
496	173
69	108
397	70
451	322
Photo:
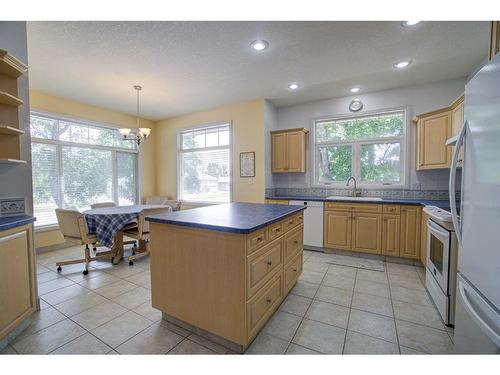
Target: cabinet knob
269	262
295	242
294	269
268	300
259	239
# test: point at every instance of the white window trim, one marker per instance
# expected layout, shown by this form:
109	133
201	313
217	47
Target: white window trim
405	147
60	144
179	151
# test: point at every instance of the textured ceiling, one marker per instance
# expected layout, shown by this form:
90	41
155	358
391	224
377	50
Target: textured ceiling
190	66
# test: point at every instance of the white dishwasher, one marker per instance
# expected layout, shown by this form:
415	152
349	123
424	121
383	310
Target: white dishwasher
313	224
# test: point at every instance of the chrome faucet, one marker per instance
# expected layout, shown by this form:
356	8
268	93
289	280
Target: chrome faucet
354	190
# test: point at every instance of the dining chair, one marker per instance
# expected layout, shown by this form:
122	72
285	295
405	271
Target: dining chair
103	204
165	201
73	226
141	233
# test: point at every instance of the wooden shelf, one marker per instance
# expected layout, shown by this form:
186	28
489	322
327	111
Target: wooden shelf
10	66
9	130
12	161
11	100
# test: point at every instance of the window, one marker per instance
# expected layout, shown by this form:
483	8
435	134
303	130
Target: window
204	164
370	148
76	164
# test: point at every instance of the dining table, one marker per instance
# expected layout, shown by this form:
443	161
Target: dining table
108	223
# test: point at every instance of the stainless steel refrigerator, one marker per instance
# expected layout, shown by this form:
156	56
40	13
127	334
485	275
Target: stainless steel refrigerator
477	312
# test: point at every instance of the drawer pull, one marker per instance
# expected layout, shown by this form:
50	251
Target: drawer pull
259	239
269	263
295	242
268	300
294	269
290	222
277	230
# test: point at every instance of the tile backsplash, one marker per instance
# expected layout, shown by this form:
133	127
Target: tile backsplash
12	206
386	193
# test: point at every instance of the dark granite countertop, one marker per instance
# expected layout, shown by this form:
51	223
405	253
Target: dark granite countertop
443	204
10	222
231	217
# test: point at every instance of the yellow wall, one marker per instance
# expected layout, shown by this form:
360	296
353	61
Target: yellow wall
247	120
58	105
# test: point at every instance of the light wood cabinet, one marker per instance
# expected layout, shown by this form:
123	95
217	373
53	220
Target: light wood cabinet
433	130
276	201
366	233
227	284
391	228
494	39
423	238
288	151
18	292
410	232
457	122
337	230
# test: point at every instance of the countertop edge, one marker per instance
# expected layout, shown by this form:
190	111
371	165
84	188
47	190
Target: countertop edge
11	222
220	228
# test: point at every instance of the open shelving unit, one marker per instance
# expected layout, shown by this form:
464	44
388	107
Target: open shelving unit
11	69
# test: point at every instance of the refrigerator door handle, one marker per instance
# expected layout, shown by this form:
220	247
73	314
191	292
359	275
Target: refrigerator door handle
485	327
453	173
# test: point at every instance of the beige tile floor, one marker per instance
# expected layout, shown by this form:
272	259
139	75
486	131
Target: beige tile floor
332	310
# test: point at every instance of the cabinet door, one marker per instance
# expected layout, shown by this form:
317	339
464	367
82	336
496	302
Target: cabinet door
17	278
457	119
433	131
423	239
367	233
337	230
391	227
295	152
410	232
494	39
278	149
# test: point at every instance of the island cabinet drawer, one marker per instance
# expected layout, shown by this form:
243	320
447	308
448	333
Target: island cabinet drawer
292	272
367	208
293	221
263	264
263	304
294	243
392	209
256	240
275	230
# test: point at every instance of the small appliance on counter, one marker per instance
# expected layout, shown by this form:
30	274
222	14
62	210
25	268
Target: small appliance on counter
441	263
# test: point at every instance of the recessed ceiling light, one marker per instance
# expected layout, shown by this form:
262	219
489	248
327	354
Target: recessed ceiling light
355	89
409	23
402	64
293	86
259	45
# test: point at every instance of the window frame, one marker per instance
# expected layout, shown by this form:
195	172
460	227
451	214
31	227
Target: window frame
59	144
404	140
180	151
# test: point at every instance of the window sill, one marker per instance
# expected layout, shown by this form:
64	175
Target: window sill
201	204
360	186
46	228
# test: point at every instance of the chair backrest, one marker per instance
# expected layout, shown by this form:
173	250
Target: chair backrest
156	199
143	224
103	204
69	223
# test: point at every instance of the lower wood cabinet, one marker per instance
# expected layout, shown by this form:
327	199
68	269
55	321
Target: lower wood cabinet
392	230
391	226
410	232
337	230
366	233
18	292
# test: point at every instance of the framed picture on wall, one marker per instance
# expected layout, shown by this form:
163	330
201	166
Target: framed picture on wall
247	164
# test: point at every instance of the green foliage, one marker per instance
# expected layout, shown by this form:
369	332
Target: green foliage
379	162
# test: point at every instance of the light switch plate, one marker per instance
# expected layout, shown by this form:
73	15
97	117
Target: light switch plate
12	206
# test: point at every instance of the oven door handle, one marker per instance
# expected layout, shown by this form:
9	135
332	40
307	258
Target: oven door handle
433	227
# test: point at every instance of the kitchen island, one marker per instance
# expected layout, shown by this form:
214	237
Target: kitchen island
221	271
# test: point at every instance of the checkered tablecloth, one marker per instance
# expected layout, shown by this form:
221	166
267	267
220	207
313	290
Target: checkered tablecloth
105	222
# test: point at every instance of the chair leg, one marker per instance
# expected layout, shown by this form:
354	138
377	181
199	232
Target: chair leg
87	259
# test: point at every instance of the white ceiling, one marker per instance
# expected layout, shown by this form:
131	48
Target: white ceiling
190	66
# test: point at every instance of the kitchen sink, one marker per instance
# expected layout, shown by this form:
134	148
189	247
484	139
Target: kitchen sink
361	199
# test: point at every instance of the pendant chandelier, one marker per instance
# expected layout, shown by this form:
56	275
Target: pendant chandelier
140	134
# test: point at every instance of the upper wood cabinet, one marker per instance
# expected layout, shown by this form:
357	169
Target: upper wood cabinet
433	130
494	39
288	150
457	122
